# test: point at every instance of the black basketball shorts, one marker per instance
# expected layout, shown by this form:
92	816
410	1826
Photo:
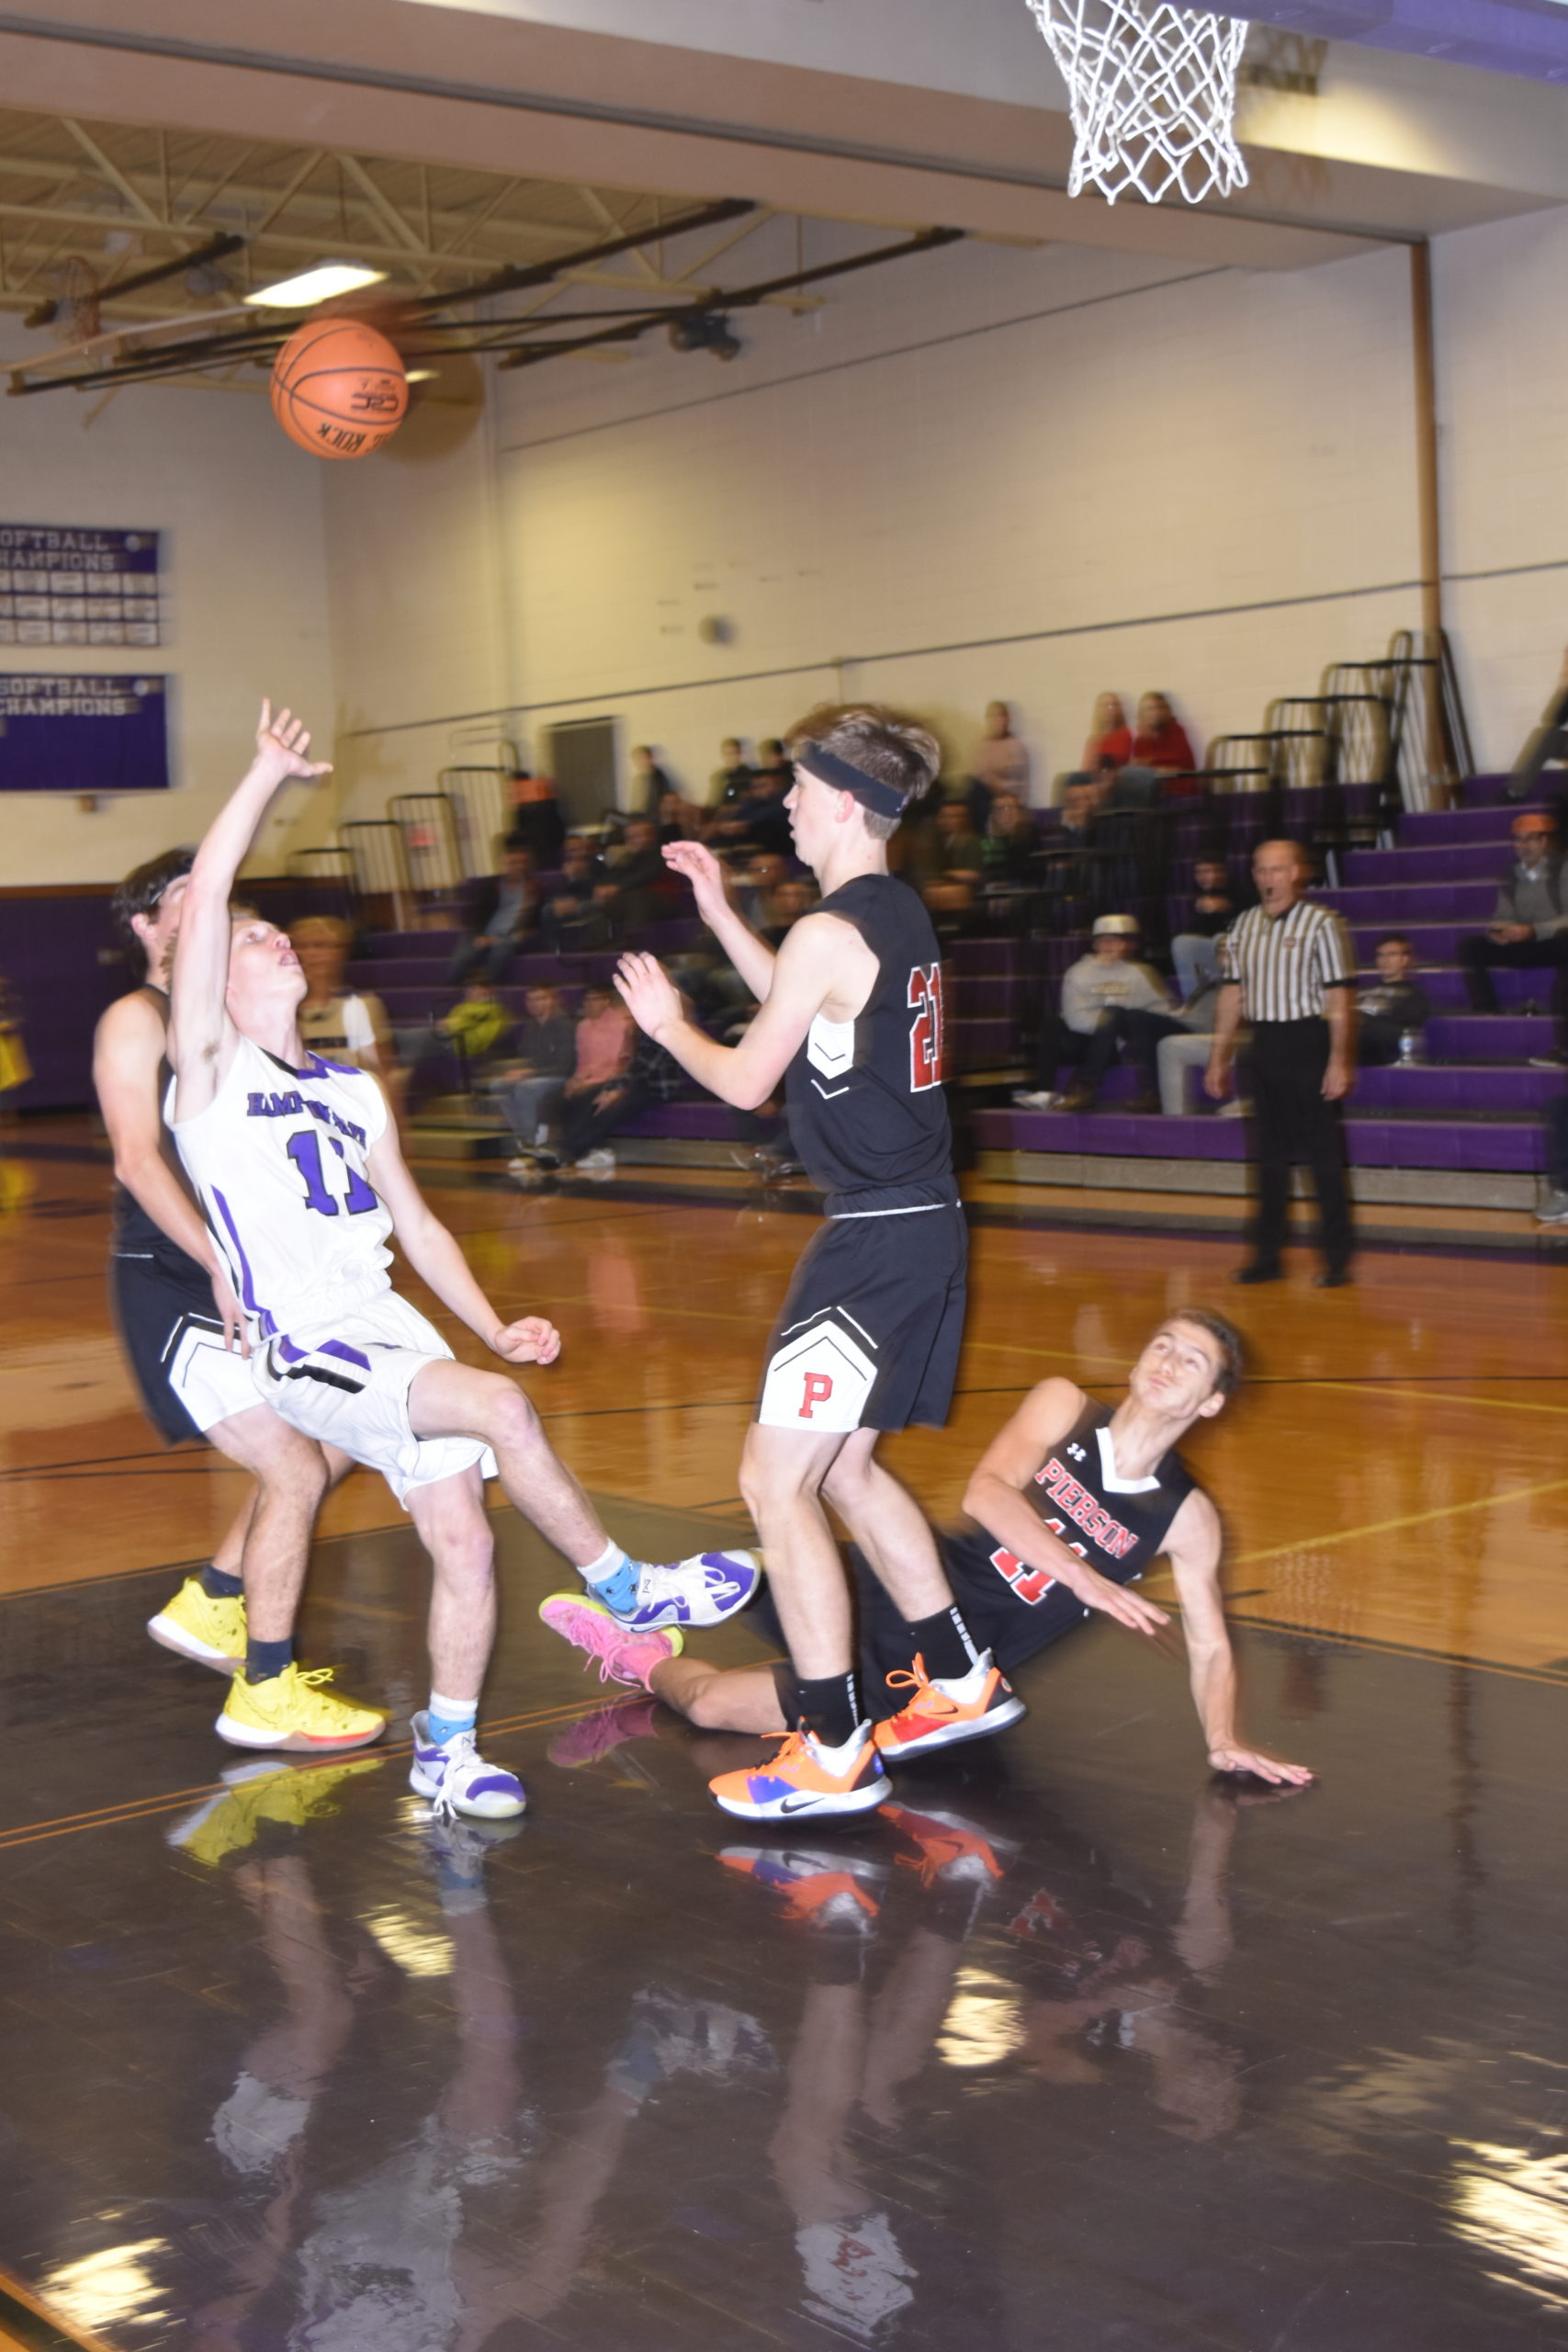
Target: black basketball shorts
170	1330
869	1333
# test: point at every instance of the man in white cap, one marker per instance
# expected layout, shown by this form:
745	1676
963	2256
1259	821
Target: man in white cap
1106	981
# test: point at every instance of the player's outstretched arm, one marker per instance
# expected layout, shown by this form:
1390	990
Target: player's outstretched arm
435	1258
751	956
995	1496
1193	1549
820	959
201	1038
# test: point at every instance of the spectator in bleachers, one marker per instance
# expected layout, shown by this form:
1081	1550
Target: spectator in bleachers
774	761
751	885
638	889
785	904
1109	742
345	1024
1160	741
597	1099
505	911
1191	1046
732	778
537	824
1108	980
959	864
681	820
1008	844
472	1030
649	785
541	1055
575	917
1529	927
1195	951
756	818
999	765
1394	1008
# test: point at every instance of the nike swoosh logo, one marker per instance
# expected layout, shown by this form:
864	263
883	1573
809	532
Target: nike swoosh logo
795	1804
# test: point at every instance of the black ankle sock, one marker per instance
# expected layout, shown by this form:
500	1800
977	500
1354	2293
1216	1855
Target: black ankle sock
263	1660
829	1709
944	1642
219	1586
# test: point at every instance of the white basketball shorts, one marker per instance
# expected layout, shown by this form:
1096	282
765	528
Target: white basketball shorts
346	1384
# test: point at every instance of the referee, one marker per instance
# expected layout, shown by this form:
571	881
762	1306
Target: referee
1288	965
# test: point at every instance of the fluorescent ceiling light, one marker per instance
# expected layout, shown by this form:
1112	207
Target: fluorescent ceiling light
419	375
313	286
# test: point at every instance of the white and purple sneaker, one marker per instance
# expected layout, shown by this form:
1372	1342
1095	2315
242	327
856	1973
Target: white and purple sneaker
703	1590
457	1779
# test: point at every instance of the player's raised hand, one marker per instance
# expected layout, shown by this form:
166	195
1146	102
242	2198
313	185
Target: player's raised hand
648	993
1117	1600
528	1340
282	747
1233	1758
696	864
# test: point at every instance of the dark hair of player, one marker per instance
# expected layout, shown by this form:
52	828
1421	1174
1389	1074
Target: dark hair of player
139	895
897	750
1394	939
1226	1338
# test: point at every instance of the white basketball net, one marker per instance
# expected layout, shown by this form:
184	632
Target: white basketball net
1152	94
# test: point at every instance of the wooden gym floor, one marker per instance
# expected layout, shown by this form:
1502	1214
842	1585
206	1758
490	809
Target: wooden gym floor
1120	2056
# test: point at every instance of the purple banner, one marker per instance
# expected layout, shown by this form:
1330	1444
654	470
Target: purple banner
63	732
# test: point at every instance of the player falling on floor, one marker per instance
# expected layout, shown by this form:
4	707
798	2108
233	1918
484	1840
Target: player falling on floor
868	1336
295	1162
176	1315
1070	1503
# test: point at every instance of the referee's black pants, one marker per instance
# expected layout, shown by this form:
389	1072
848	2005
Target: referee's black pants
1291	1122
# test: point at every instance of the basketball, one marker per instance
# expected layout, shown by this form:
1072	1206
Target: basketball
338	387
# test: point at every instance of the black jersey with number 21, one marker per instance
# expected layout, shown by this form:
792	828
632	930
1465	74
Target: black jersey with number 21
866	1109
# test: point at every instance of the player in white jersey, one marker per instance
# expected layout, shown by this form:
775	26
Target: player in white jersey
297	1168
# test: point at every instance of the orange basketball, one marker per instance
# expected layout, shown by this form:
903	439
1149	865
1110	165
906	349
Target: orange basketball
338	387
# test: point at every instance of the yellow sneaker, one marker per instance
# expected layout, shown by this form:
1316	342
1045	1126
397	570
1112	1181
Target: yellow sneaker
210	1631
253	1793
296	1711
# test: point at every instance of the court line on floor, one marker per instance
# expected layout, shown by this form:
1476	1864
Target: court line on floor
1421	1396
1385	1645
149	1808
1389	1526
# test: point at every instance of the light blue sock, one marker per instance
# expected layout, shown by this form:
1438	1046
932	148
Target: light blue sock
611	1579
447	1717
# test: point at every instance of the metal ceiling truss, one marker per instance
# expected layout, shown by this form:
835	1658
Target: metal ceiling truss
93	218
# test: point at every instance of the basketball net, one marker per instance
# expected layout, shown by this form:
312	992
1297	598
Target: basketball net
1152	96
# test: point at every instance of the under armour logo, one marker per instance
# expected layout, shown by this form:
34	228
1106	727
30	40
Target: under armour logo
1077	1453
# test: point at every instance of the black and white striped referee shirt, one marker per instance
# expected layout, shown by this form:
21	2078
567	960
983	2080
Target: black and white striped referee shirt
1285	962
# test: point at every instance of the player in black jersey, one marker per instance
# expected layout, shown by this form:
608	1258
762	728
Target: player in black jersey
868	1338
1069	1504
181	1325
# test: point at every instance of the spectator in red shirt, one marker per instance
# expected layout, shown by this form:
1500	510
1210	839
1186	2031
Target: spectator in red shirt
1109	742
1161	740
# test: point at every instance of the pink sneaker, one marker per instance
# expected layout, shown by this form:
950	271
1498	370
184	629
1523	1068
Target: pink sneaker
623	1656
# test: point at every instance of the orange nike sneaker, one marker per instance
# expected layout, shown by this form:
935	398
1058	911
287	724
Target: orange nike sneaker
941	1714
804	1777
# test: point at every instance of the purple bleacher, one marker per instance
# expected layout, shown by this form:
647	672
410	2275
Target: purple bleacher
1467	905
1480	1145
1442	827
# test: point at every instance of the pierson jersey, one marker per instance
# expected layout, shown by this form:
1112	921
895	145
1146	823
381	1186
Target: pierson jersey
866	1109
277	1159
1117	1524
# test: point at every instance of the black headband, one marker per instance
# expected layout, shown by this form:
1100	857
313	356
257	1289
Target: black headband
886	799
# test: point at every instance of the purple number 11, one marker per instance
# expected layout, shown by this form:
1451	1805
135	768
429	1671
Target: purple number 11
305	1152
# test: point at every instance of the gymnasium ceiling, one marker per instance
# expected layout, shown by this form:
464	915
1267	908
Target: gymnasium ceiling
440	141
